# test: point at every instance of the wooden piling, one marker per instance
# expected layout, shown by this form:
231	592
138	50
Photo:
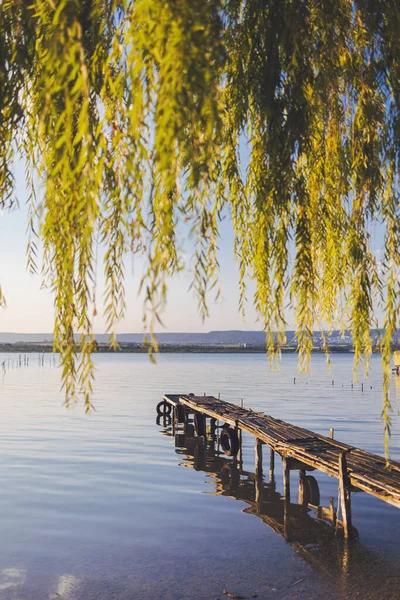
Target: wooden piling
271	466
332	510
259	458
303	496
331	433
240	453
345	496
286	480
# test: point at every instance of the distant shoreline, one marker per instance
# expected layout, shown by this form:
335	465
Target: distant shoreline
29	348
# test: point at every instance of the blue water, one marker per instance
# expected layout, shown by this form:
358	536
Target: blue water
102	506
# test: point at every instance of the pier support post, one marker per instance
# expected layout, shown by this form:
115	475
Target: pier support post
174	410
333	511
259	458
240	453
303	496
345	496
259	469
271	466
185	421
286	479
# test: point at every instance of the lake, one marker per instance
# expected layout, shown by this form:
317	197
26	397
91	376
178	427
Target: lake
107	506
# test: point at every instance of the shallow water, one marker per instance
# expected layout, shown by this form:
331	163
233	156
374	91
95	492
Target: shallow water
102	506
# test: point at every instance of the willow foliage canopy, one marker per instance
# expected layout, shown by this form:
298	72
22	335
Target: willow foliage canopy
130	116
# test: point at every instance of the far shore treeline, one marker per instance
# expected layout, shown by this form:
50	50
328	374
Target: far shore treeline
230	341
173	348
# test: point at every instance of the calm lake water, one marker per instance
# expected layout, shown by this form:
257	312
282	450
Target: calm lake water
102	506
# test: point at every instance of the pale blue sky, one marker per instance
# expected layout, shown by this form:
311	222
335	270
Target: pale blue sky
30	309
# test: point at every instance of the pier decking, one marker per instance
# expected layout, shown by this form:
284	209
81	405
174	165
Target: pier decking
299	449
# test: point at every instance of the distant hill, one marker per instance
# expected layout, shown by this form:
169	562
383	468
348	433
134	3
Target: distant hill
229	337
210	338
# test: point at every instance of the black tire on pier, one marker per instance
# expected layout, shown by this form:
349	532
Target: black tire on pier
229	441
163	408
199	424
312	490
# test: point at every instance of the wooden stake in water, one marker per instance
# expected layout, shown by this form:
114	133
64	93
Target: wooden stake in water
271	466
286	480
345	496
259	457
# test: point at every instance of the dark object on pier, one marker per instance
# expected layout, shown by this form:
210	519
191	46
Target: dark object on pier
163	408
229	441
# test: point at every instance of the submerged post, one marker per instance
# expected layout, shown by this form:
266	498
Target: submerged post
259	457
240	453
271	466
333	511
286	479
303	496
345	495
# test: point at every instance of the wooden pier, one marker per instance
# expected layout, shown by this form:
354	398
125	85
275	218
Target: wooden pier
298	448
311	530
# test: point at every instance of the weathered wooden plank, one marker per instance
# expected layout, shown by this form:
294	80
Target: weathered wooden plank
172	399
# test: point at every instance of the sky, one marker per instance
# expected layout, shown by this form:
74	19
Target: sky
30	308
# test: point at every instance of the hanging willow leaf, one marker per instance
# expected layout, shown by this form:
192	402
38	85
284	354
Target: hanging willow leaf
133	116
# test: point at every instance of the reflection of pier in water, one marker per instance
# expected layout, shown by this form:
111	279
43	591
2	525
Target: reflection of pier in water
313	531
